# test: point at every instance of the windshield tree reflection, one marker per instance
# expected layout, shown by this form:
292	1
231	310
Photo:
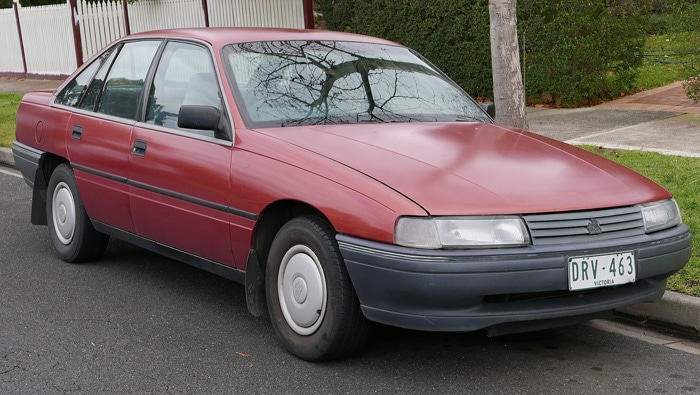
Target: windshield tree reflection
292	83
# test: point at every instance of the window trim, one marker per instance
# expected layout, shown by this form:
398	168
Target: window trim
139	120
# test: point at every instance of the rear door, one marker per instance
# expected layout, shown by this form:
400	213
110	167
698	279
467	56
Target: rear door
103	100
179	178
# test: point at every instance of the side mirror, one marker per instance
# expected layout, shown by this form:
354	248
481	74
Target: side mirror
199	117
489	107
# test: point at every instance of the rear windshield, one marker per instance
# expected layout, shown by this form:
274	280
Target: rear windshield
292	83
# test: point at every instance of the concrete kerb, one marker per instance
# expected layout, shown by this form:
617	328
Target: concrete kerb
6	158
673	311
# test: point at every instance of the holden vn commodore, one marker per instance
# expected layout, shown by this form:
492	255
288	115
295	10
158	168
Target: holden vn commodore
342	179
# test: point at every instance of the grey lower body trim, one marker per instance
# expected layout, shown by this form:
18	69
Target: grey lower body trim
27	160
173	253
477	289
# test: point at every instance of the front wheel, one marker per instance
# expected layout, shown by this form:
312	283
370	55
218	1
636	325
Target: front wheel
312	304
72	233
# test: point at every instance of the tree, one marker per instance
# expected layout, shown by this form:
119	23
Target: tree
508	88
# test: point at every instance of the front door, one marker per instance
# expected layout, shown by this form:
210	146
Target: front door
179	178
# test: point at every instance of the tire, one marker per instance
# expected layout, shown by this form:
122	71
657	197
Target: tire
312	304
72	233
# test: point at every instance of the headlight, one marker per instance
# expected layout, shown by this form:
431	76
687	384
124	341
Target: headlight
461	232
660	215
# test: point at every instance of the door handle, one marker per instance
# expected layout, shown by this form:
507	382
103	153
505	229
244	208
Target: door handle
77	132
139	148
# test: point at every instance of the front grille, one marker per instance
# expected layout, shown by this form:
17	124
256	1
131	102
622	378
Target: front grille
585	226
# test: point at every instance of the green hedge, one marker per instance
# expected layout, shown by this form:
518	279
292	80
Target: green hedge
675	16
581	52
576	52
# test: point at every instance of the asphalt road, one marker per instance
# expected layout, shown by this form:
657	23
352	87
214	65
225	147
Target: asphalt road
135	322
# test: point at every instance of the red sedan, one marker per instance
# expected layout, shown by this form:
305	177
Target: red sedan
344	180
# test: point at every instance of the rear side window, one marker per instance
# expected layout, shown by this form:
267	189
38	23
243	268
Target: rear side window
125	80
91	97
71	94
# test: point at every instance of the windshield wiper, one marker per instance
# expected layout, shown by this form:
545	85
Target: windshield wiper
463	118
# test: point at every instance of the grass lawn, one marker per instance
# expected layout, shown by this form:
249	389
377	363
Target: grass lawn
664	56
681	176
8	113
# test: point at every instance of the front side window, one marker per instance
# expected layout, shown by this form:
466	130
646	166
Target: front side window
122	88
185	76
290	83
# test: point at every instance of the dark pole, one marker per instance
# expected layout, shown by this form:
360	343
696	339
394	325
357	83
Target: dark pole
205	9
127	25
309	14
76	33
21	41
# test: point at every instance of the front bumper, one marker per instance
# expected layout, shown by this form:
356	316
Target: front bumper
505	290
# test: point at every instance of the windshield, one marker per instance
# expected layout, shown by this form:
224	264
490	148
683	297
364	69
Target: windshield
291	83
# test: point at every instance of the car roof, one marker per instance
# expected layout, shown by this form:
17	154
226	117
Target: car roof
220	36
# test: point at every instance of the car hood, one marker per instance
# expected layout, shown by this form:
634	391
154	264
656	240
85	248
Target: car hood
476	168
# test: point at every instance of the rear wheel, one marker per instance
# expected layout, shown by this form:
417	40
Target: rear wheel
312	304
72	233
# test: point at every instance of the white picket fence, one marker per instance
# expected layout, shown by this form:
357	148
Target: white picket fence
47	33
163	14
258	13
47	38
100	24
10	50
51	50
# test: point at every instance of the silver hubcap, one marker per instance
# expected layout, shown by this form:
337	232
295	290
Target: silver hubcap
302	290
63	212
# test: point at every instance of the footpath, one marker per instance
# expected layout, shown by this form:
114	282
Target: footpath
662	120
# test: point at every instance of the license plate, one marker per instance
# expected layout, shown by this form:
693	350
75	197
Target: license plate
597	271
